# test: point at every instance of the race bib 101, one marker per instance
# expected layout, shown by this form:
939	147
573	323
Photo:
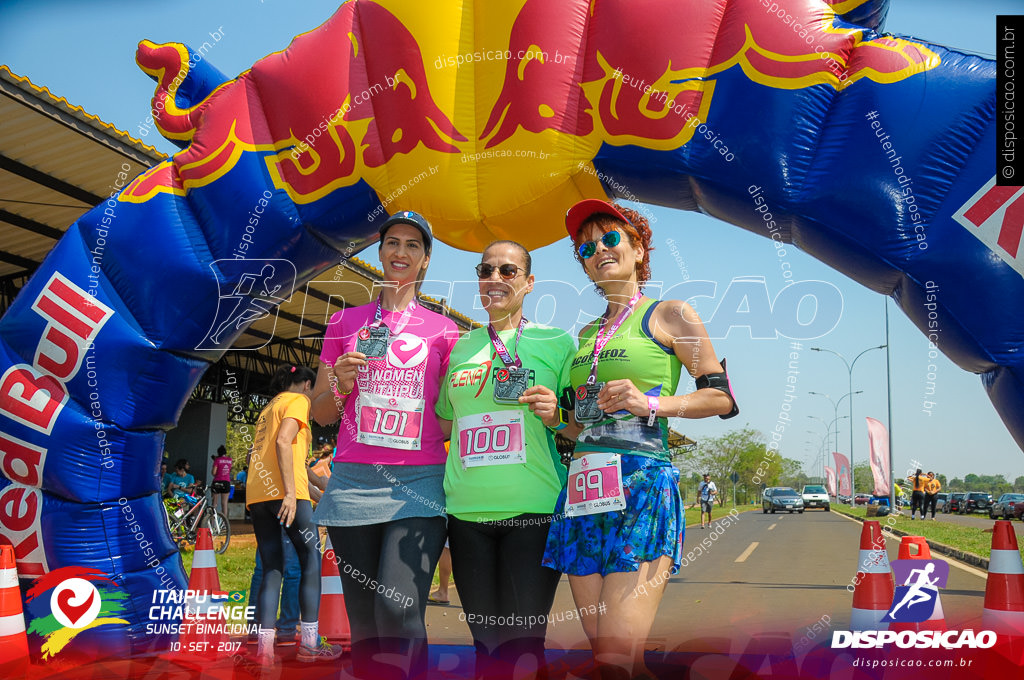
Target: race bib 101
394	422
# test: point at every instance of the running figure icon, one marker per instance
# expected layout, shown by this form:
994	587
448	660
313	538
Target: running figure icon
253	297
921	590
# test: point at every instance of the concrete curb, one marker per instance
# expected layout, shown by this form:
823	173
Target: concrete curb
941	548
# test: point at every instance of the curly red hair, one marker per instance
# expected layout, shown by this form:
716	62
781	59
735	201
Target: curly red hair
637	230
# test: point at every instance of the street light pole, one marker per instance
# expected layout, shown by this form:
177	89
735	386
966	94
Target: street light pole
835	408
849	370
828	430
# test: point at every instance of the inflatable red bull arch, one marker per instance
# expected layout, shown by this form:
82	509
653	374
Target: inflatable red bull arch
871	152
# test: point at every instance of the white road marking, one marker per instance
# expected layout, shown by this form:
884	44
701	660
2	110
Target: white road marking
746	553
772	527
956	563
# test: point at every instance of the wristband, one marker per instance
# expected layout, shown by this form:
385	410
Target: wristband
340	395
563	421
652	404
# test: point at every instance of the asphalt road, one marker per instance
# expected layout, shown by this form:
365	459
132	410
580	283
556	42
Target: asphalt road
977	520
797	573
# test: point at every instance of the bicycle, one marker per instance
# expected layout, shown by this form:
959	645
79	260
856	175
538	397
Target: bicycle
184	525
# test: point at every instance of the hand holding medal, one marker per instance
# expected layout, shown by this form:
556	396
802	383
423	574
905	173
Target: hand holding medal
345	370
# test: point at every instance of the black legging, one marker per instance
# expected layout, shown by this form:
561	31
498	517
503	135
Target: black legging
386	571
917	502
306	539
497	566
930	501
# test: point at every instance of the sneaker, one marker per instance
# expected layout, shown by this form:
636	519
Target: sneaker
323	652
286	639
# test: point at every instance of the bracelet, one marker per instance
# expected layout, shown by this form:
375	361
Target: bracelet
652	404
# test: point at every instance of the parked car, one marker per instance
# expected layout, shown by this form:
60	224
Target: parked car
940	502
781	498
844	499
953	502
815	496
975	501
862	498
1004	506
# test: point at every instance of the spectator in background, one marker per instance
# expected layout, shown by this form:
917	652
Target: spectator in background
165	477
221	486
181	483
917	498
324	464
241	477
931	494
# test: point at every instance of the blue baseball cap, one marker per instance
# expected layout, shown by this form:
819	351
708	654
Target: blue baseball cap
414	219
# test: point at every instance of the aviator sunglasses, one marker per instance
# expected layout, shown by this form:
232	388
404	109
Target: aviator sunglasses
610	240
506	271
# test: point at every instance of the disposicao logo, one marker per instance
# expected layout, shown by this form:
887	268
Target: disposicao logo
79	599
914	602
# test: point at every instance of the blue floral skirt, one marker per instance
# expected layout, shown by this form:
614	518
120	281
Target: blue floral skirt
652	525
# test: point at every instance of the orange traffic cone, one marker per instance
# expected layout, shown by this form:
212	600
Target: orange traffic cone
333	615
1004	591
205	636
13	642
873	588
937	621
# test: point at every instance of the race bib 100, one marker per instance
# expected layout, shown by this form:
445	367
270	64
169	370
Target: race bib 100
492	439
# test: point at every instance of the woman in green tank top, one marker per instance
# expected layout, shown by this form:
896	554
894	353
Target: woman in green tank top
619	530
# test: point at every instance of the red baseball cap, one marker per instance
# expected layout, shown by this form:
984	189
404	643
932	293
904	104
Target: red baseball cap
582	211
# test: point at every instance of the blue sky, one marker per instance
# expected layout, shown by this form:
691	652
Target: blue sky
84	51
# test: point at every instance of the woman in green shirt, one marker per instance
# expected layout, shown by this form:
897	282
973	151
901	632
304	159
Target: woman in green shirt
620	524
503	474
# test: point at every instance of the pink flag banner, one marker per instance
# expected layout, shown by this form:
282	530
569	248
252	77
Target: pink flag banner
878	439
830	481
843	474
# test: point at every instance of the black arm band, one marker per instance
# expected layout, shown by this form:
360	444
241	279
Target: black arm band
720	382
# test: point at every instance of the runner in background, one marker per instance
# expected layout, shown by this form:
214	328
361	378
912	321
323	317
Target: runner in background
278	497
706	493
504	475
621	521
384	507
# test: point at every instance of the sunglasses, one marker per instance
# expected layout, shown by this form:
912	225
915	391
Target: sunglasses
610	240
507	271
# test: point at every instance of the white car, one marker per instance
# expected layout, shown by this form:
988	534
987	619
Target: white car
815	496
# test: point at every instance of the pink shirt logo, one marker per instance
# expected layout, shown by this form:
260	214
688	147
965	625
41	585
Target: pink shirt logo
407	351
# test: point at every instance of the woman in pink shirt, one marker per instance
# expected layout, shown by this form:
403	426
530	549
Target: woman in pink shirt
221	487
384	507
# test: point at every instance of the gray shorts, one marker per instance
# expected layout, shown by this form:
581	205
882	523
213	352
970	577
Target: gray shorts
705	505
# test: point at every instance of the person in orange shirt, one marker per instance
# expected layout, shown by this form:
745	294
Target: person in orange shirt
278	498
917	498
931	493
